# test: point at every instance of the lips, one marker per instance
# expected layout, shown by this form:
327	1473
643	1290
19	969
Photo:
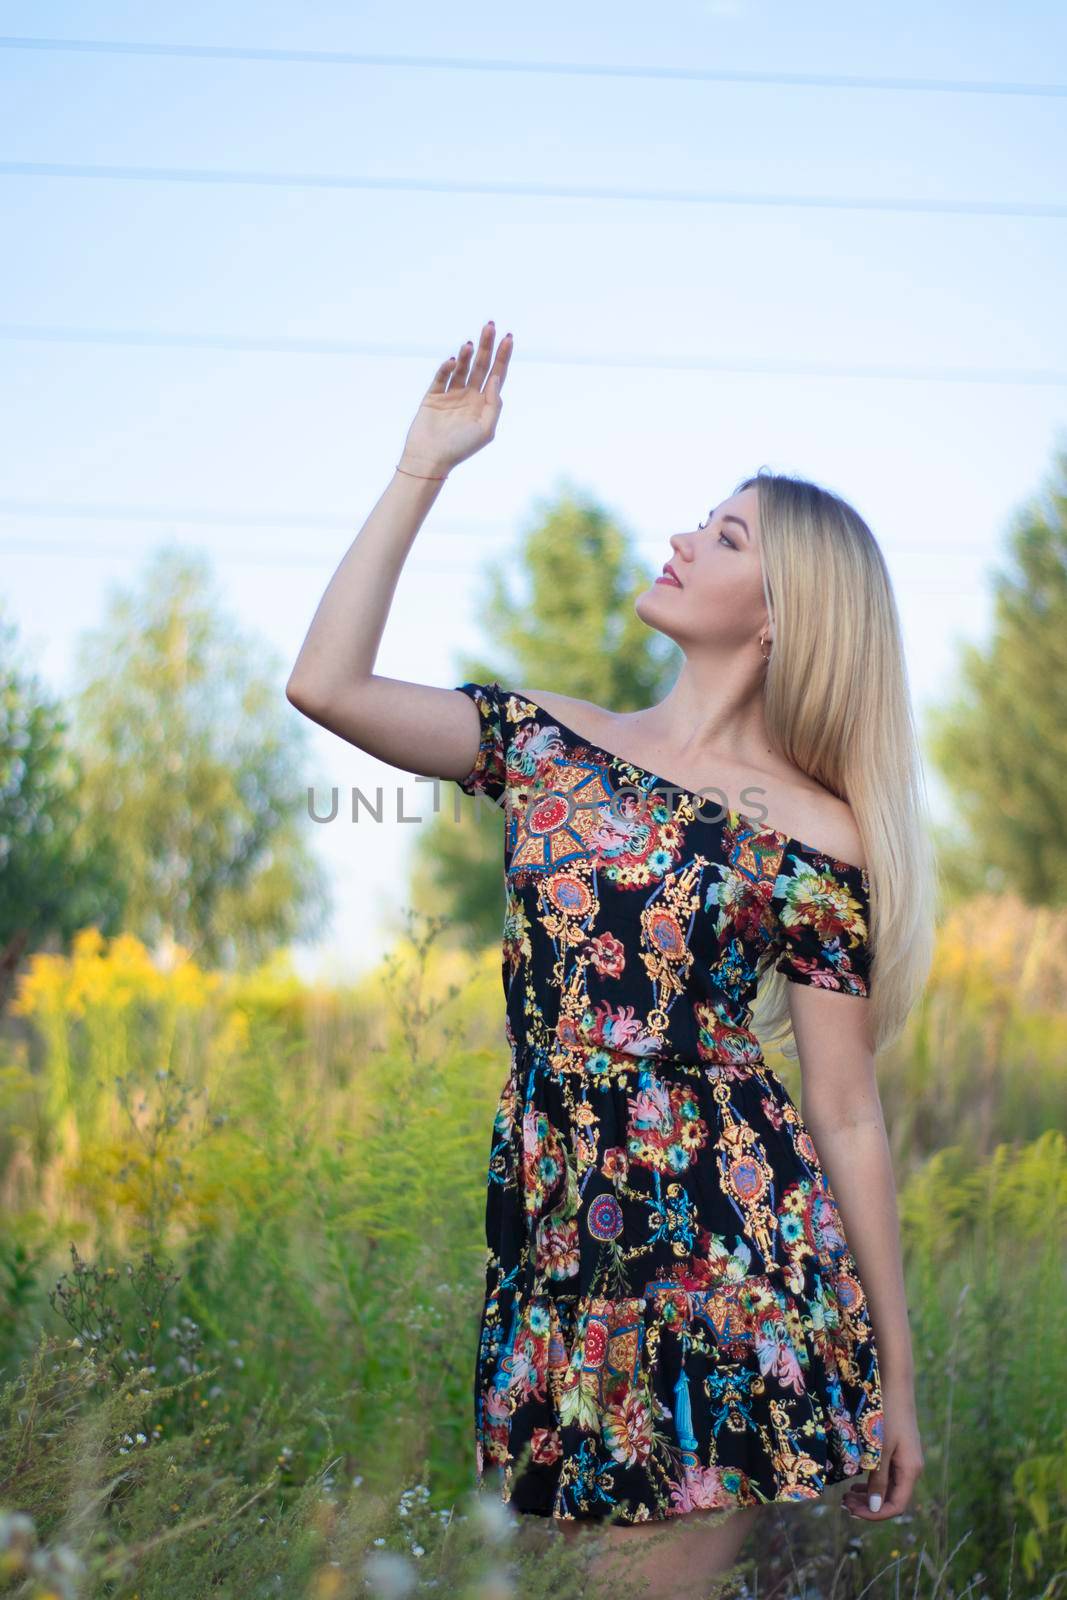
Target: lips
668	575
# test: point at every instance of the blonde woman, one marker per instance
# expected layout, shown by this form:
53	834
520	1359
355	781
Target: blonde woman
694	1298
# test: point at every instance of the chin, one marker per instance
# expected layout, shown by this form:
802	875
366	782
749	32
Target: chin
646	606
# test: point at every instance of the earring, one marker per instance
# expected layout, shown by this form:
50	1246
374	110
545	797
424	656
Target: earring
765	654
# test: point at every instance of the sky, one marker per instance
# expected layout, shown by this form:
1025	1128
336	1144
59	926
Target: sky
726	235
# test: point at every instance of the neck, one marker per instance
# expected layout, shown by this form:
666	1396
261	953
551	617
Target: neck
712	713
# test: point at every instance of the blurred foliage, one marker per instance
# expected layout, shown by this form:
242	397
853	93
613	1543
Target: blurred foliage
53	880
1000	739
269	1199
194	772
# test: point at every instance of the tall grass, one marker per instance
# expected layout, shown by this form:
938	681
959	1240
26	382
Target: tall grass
242	1264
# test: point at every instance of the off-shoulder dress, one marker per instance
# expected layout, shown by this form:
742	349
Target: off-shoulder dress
673	1319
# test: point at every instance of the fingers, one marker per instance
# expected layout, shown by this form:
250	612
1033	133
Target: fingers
500	365
463	375
440	377
481	359
858	1498
902	1478
888	1489
458	379
878	1484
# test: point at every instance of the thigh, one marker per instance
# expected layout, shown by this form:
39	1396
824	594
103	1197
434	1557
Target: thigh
726	1528
739	1518
676	1555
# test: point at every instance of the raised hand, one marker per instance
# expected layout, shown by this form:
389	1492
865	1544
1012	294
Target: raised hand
459	410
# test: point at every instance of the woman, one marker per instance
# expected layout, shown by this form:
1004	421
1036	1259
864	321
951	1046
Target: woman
694	1295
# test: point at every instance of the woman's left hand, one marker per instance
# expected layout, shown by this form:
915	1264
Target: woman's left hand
893	1479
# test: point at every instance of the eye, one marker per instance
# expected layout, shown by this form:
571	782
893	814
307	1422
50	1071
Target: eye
729	542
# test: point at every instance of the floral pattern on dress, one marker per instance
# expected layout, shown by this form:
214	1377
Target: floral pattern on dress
672	1319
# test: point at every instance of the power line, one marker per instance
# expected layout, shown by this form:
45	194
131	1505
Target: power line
542	191
346	525
253	557
584	69
275	345
102	511
465	528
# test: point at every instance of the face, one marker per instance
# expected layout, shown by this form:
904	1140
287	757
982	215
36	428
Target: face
718	597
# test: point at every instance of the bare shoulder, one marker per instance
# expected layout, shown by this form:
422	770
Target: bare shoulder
590	718
826	822
788	801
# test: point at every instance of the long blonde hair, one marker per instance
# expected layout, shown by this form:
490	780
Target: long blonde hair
837	705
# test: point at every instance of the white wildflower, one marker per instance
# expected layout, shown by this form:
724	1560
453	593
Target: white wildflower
389	1575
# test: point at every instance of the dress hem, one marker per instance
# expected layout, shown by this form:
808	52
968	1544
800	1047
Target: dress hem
483	1485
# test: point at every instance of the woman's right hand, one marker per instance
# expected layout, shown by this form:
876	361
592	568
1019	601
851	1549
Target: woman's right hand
458	415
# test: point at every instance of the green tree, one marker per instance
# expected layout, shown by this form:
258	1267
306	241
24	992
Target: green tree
1001	742
55	877
572	628
192	762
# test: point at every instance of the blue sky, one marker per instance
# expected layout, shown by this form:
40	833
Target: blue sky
159	382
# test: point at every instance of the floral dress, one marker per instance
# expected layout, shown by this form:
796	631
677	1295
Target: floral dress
673	1319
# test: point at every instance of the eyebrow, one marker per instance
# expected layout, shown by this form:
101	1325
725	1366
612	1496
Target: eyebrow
729	517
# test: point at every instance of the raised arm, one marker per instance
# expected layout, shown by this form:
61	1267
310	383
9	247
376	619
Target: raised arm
417	727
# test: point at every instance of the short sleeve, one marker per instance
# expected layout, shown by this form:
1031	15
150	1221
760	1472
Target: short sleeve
822	921
488	775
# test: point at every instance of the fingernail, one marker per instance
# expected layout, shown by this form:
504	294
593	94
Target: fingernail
874	1502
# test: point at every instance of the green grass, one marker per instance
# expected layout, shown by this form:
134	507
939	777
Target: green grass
242	1265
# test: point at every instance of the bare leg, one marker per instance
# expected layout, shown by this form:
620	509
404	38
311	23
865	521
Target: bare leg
677	1559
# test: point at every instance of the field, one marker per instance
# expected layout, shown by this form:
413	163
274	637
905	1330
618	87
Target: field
242	1264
